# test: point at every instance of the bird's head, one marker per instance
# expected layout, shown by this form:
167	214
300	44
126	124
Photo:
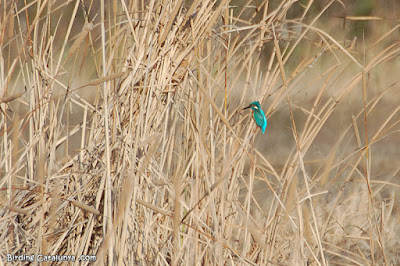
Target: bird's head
254	105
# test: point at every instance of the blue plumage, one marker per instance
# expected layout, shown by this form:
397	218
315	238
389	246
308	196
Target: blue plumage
259	115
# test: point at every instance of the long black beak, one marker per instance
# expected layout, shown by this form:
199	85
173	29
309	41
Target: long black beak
247	107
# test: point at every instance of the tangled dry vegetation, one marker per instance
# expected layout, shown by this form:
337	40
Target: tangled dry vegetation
126	139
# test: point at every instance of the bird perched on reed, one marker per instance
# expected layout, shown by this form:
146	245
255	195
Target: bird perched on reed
259	115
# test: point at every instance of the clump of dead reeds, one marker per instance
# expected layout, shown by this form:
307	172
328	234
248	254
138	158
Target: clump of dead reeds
124	137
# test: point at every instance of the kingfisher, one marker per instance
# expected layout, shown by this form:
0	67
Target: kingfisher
259	115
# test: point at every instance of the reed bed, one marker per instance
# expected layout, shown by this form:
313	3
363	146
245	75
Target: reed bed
123	134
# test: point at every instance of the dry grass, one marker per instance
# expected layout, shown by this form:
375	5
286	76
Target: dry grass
126	139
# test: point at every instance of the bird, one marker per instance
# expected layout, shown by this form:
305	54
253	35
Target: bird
259	115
